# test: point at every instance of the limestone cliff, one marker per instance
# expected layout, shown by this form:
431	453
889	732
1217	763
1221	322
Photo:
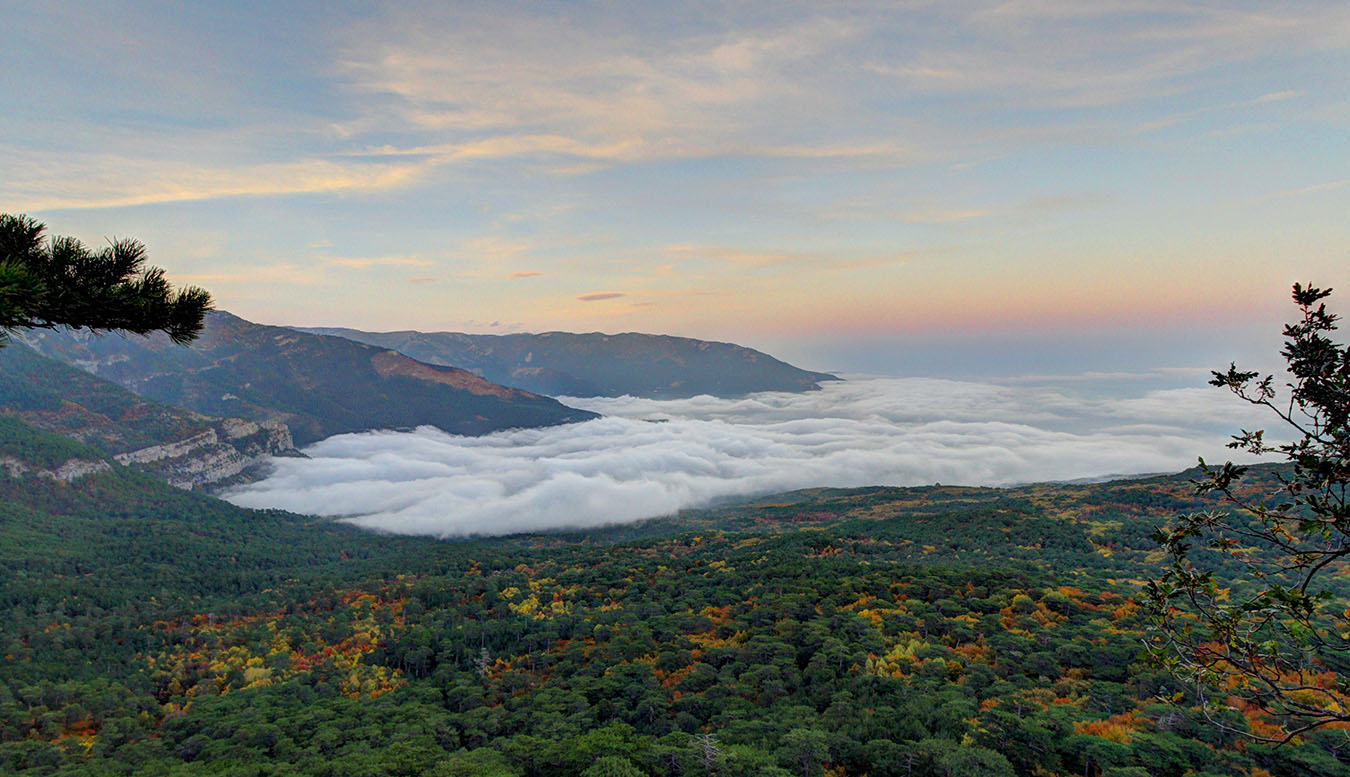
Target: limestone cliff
189	450
231	451
71	469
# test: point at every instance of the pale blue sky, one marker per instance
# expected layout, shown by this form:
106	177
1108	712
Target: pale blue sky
1077	182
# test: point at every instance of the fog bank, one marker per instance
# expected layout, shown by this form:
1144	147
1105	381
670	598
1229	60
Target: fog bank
649	458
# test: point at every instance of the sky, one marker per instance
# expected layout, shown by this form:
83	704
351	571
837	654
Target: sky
927	188
646	458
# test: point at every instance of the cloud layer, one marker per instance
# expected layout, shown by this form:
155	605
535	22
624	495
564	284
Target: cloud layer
649	458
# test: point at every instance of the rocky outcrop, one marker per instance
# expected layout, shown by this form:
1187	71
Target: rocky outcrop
233	451
190	450
72	469
230	451
172	450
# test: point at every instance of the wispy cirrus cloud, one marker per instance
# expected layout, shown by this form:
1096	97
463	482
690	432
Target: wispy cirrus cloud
1275	97
594	88
285	274
601	94
391	260
751	153
599	296
714	256
1317	188
435	86
51	181
1087	55
868	208
942	216
494	248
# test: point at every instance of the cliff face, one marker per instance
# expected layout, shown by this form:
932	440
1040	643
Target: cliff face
203	462
189	450
69	470
233	450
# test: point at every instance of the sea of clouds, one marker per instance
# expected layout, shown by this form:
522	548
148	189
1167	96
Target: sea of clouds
648	458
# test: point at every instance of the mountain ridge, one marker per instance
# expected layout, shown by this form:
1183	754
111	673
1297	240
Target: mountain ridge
317	385
560	363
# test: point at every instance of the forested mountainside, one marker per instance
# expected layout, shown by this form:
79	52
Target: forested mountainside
939	631
317	385
187	449
595	364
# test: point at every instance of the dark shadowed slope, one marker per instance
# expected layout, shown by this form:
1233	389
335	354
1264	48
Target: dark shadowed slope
317	385
563	363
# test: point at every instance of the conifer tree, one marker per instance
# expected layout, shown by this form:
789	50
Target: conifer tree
59	282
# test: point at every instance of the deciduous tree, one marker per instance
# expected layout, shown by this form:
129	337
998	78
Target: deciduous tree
1275	646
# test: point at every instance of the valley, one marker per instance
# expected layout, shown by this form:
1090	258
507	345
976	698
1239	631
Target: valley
938	630
595	389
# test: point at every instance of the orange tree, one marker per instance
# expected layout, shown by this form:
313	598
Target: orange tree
1274	642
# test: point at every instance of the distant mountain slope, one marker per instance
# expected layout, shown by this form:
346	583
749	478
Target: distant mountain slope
562	363
187	449
317	385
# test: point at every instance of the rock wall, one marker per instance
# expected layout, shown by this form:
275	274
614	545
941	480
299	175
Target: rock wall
70	470
227	453
230	452
172	450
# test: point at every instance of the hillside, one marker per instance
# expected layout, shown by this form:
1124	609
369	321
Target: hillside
317	385
111	532
562	363
187	449
937	631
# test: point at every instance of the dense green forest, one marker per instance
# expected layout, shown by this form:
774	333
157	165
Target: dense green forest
934	631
